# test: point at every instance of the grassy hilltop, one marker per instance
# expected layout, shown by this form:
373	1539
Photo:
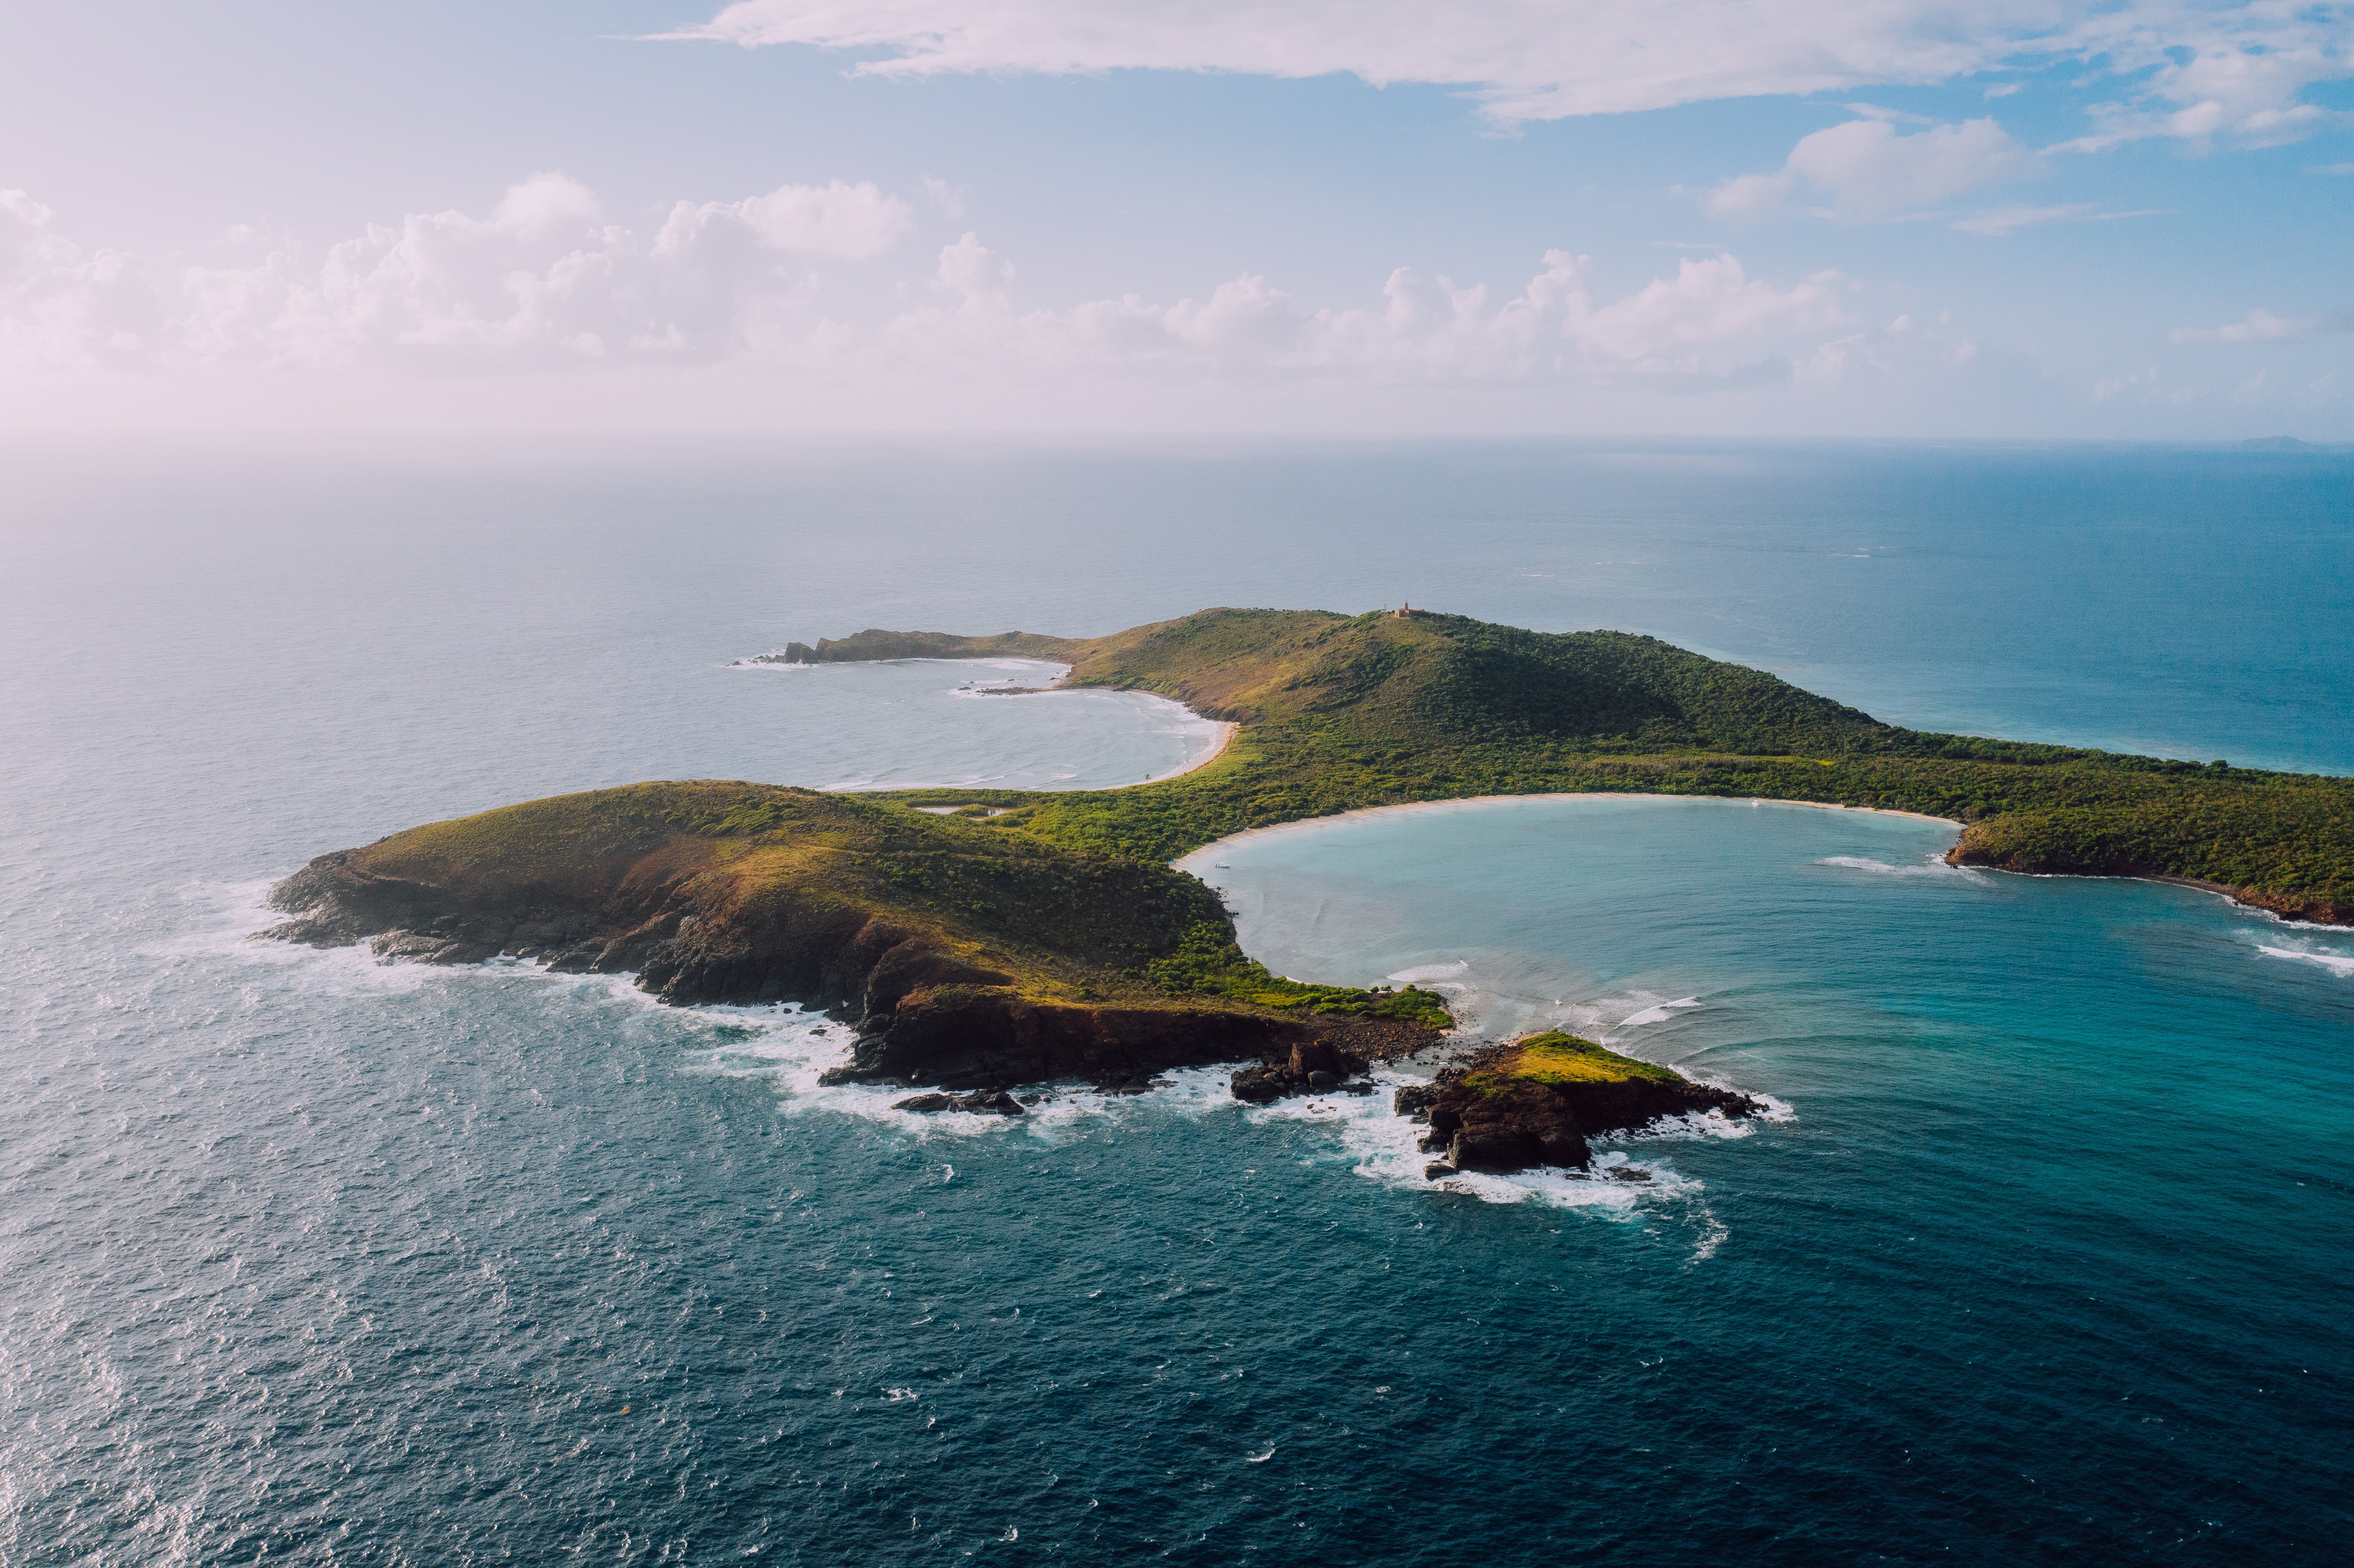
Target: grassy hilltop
1339	712
987	937
969	958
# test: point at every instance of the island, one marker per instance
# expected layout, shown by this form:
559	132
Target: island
980	941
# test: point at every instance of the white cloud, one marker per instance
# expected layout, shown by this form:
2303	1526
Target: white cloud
2003	220
2110	388
2236	74
544	284
541	282
1747	198
1865	170
853	222
2260	325
1710	325
2199	68
61	305
2330	169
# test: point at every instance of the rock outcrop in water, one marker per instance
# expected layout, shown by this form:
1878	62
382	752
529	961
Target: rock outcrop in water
1309	1067
1537	1101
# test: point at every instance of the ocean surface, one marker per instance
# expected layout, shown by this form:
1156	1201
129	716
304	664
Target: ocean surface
2043	1257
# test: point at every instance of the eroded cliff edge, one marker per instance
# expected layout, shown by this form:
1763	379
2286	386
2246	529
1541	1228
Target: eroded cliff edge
967	959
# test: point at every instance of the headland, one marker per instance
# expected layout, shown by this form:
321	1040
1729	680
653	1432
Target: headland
980	940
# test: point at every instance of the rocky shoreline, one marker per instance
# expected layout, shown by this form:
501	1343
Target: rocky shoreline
924	1017
1482	1120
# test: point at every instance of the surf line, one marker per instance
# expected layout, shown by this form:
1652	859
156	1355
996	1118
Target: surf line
1226	733
1217	750
1490	800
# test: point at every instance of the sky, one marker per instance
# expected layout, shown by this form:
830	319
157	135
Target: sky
2017	218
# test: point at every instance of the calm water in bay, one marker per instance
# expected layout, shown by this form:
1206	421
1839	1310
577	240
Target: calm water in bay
305	1259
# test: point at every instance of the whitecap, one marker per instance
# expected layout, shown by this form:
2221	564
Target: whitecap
1712	1238
1430	972
1935	865
1660	1013
1694	1125
2340	964
1384	1149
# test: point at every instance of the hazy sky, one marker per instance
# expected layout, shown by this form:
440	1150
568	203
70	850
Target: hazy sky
1816	217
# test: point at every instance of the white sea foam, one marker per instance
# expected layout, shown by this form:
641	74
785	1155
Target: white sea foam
1660	1013
1382	1147
1935	865
1424	973
2336	963
1713	1234
234	915
1691	1125
791	1047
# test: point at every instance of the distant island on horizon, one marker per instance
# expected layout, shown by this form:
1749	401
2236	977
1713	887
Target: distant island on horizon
980	940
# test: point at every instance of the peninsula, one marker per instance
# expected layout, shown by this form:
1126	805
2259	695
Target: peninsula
980	940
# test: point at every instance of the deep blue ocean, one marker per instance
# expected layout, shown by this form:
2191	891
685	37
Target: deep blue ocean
2043	1259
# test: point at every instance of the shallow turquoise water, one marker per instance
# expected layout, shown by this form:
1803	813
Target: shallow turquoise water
310	1260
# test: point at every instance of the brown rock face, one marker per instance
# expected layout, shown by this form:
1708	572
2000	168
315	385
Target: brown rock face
923	1016
1526	1124
963	1037
1311	1067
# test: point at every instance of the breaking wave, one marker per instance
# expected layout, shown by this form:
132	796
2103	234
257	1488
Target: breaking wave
2340	964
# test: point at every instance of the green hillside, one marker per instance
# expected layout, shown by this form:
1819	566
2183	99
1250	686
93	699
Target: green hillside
1340	712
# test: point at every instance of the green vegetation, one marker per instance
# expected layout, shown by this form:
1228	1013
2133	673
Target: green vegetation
1554	1057
1342	711
1058	923
1062	922
1208	962
1068	899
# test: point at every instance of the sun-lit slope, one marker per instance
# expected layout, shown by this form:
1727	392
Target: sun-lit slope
1447	678
754	853
1341	712
968	957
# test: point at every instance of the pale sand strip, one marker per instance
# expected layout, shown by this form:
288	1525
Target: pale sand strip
1505	800
1225	734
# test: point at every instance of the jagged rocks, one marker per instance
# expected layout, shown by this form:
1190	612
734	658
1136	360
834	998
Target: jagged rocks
921	1015
989	1102
1503	1126
1312	1067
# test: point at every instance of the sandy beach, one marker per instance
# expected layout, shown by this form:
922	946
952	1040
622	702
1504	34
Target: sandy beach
1217	750
1502	800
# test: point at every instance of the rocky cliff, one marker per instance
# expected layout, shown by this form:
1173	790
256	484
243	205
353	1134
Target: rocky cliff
1537	1101
967	959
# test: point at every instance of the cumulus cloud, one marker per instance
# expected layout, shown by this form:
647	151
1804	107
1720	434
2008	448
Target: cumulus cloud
854	222
2260	325
1866	170
2198	67
541	282
2239	76
61	304
1708	326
